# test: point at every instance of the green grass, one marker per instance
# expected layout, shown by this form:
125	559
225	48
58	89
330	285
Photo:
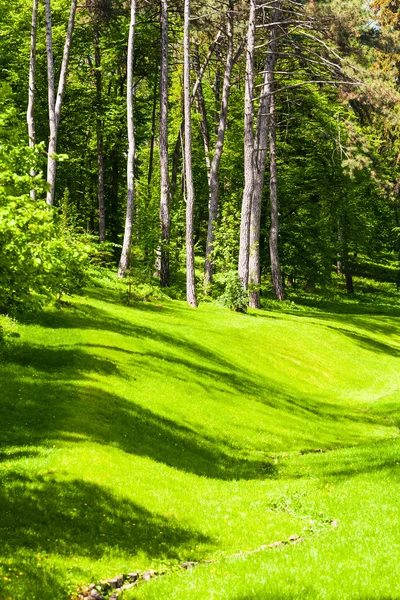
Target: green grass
140	437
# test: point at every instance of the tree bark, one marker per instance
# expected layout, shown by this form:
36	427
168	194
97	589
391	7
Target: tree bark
273	191
190	269
177	148
203	113
244	247
219	147
55	104
126	246
30	115
153	130
165	220
99	134
260	155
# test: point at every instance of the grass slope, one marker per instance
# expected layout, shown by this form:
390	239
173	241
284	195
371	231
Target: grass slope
138	437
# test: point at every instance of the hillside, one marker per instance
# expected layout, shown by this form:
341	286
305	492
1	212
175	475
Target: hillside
140	437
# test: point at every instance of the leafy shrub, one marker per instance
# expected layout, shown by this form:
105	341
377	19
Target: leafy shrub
235	296
40	256
38	259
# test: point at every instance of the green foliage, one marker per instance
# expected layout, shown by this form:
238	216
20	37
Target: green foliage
93	393
235	296
38	260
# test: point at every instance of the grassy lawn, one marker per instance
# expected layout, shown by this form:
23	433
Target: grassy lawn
140	437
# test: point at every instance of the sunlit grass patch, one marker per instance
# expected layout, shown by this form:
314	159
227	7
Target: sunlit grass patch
141	437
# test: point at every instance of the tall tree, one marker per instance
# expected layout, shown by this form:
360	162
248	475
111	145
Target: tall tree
190	269
130	94
165	220
219	146
30	115
244	248
265	127
99	132
55	104
273	192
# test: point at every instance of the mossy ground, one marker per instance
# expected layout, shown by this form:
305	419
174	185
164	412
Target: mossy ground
139	437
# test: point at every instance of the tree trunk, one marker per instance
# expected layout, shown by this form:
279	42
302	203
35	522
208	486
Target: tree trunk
260	155
177	148
276	274
203	113
349	277
30	115
190	270
153	129
219	147
55	105
51	163
244	247
126	246
99	134
165	220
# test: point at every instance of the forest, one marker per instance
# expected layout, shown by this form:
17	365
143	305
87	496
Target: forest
231	151
199	299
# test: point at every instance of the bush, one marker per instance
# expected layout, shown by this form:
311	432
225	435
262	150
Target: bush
38	259
235	296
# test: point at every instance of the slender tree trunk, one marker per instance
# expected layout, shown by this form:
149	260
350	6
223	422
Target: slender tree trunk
244	247
99	133
203	113
153	129
55	104
217	88
273	191
339	265
51	163
177	148
126	246
165	220
260	155
349	277
219	147
30	115
190	271
114	224
344	258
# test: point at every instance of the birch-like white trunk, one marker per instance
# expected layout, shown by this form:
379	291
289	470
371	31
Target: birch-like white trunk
30	114
55	103
99	134
273	194
164	174
260	155
219	147
203	114
177	148
190	270
244	247
130	93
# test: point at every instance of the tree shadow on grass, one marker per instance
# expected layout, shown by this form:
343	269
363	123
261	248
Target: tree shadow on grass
345	463
34	413
44	517
50	392
78	518
367	342
55	396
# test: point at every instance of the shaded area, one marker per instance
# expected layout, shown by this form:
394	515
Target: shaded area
343	464
55	396
367	342
64	402
41	517
84	412
78	518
